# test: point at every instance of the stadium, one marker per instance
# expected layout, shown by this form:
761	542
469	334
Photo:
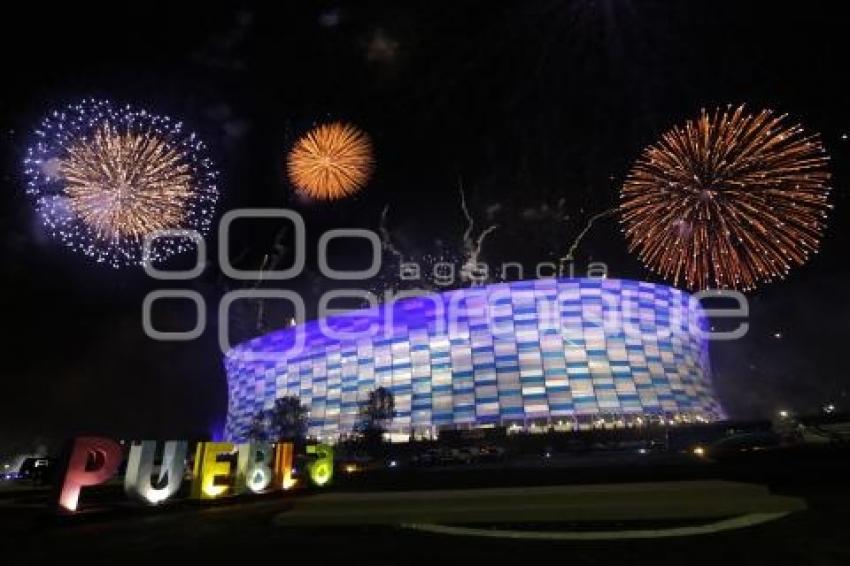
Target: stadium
560	353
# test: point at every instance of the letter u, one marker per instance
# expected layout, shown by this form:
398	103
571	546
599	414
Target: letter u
138	482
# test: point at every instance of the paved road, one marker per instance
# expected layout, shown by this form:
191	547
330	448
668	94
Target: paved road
246	532
691	501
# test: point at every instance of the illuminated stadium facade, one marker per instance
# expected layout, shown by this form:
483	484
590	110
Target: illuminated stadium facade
563	353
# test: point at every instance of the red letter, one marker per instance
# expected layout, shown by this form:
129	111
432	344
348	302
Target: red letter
93	460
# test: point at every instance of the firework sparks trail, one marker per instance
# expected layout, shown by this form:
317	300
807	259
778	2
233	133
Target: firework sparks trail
470	222
570	255
471	259
269	263
472	247
386	239
430	266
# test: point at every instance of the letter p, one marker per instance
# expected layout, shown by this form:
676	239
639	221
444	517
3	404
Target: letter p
92	461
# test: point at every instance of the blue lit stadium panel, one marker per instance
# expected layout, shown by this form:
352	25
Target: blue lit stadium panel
521	353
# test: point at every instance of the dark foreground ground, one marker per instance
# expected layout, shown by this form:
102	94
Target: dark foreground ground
243	532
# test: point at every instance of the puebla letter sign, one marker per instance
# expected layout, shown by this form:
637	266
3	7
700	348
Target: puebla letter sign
220	469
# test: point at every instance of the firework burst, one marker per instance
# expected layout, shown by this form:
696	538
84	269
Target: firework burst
104	177
331	161
727	201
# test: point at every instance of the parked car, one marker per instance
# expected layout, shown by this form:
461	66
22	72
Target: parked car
743	443
37	470
491	453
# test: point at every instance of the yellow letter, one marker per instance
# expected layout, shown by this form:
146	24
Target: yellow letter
212	469
283	465
322	468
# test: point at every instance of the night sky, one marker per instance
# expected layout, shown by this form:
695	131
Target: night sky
537	108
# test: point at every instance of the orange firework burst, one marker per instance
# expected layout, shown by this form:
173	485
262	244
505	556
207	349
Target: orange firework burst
727	201
331	161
